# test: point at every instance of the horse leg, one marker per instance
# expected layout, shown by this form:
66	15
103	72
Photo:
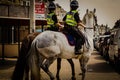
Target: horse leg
46	65
83	63
58	68
72	67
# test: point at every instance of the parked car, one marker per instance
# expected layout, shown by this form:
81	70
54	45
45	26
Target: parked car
96	43
114	49
103	44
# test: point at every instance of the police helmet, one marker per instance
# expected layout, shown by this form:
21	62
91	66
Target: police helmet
74	4
51	6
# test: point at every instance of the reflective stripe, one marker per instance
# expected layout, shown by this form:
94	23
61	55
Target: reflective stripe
50	22
70	20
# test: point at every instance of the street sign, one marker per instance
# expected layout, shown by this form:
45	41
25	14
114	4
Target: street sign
40	10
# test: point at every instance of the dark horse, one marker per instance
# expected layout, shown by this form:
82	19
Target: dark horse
22	60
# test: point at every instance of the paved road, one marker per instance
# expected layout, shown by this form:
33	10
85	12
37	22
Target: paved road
98	69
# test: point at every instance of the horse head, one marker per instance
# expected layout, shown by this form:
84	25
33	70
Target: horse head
89	19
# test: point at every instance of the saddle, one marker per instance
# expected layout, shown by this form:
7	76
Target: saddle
72	41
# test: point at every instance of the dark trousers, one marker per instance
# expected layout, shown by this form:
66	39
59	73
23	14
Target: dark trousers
53	28
79	37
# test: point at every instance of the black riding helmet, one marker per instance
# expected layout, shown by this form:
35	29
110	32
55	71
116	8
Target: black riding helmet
51	6
74	5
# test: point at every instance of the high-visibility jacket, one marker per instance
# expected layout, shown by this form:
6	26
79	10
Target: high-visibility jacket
70	20
50	22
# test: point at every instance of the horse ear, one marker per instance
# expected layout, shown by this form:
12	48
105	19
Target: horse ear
87	11
94	10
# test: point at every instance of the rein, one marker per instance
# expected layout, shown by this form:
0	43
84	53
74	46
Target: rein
88	28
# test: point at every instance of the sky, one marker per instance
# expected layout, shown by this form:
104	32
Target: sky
107	11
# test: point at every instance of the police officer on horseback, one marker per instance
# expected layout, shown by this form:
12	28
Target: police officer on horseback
71	23
52	21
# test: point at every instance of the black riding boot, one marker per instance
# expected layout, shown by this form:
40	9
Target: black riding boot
78	46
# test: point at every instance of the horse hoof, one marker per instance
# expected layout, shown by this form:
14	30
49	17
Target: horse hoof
80	73
73	78
58	78
52	78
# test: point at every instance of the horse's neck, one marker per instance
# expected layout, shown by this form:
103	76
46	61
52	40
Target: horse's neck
89	32
89	22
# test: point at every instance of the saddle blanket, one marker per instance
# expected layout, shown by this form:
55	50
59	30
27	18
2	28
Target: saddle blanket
70	38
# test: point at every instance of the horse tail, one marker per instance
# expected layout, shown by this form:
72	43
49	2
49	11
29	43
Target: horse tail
33	61
21	61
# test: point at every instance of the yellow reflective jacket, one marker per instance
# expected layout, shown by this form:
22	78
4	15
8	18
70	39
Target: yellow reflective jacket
50	22
70	20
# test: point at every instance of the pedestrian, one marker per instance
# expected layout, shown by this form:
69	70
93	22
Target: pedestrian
52	21
71	23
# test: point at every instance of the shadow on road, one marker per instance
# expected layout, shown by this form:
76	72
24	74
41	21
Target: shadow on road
99	57
101	68
6	64
99	65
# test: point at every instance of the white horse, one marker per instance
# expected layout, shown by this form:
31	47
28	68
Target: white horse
50	45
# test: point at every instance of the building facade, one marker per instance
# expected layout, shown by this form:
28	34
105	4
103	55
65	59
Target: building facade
15	24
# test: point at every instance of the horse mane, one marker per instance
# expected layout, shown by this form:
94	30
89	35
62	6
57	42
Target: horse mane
88	13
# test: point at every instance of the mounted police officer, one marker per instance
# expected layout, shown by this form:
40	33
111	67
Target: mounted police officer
71	23
52	21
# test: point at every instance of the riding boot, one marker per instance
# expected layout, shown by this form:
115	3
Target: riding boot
78	46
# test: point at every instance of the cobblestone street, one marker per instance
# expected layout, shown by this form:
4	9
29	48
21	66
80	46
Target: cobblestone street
98	69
